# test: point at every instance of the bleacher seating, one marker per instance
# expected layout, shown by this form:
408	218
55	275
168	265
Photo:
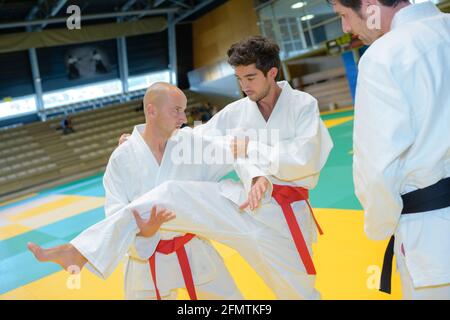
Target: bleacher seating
329	87
92	104
38	153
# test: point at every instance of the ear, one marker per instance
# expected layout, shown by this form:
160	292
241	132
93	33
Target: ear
150	110
273	72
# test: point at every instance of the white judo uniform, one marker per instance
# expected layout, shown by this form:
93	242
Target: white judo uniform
402	143
292	148
131	172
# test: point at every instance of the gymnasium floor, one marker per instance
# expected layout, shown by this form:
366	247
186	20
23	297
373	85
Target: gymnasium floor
347	263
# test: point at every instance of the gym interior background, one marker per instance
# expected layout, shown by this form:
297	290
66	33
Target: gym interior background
70	88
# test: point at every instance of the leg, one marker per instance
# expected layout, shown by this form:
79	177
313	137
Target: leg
281	268
105	243
271	254
270	251
424	261
66	255
409	292
222	287
149	295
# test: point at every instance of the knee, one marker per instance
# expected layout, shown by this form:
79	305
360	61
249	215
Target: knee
167	187
173	187
169	193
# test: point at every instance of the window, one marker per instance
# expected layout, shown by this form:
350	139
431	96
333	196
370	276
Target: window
298	25
146	80
82	93
13	107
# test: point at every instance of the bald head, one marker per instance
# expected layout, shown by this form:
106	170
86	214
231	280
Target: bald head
158	94
164	107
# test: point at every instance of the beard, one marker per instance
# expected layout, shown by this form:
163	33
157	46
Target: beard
261	96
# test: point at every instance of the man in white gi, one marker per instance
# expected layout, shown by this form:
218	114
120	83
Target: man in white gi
139	166
277	166
401	139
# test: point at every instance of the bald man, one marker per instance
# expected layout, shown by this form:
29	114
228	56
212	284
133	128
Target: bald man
136	168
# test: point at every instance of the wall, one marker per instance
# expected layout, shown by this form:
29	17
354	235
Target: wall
216	31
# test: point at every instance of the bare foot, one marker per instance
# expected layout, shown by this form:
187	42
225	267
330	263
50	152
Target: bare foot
67	256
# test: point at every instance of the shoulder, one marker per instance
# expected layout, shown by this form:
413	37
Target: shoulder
304	103
121	155
404	45
303	97
229	116
233	107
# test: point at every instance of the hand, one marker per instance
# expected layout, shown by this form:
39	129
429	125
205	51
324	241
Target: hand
124	137
239	147
255	195
157	218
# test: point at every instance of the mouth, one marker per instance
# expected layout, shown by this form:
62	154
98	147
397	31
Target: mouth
356	36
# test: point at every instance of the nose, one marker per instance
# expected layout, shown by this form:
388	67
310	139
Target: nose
184	118
244	85
345	26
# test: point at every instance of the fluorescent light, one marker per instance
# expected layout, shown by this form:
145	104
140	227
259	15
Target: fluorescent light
307	17
298	5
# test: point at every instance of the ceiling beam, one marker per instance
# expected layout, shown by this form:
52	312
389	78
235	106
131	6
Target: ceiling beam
181	4
157	3
54	11
128	5
193	10
148	12
34	10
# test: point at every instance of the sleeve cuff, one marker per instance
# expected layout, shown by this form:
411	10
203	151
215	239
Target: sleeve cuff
258	154
143	248
247	172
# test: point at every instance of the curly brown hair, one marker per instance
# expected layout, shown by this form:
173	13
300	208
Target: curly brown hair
356	4
261	51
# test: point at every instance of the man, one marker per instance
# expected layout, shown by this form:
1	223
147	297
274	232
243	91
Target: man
74	73
401	145
274	234
98	62
139	166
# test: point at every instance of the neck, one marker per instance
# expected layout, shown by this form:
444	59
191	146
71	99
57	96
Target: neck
154	139
270	100
386	27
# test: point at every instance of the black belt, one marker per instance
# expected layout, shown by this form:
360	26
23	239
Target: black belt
434	197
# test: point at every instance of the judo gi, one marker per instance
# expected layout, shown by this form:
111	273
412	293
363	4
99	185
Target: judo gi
402	144
131	172
289	149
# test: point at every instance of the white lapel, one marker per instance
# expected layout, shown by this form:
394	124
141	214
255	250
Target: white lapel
167	165
148	168
255	116
280	110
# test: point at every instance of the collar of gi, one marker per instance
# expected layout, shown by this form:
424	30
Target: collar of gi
414	12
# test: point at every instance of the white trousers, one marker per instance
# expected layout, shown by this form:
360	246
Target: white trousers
219	288
202	210
409	292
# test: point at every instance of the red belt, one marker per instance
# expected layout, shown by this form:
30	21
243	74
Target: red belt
285	196
170	246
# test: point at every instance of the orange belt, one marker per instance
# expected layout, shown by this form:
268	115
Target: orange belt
170	246
285	196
